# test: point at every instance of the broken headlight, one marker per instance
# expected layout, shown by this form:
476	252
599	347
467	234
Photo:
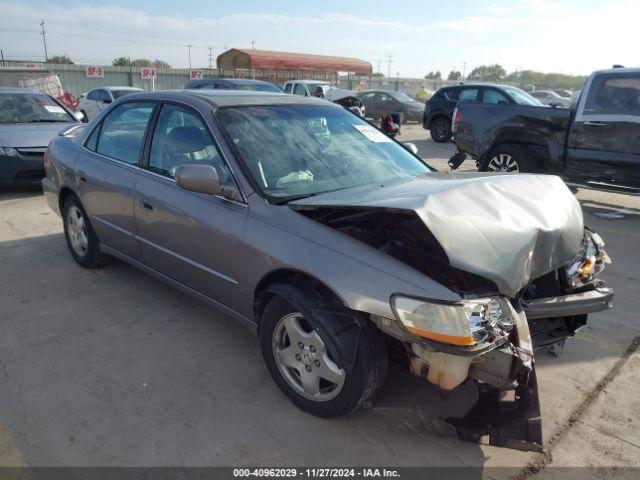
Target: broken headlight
467	322
589	262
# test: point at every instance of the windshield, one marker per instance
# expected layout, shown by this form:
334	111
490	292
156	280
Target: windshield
31	108
260	87
121	93
292	151
403	97
522	98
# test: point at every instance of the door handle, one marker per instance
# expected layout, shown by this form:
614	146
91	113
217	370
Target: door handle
596	124
146	206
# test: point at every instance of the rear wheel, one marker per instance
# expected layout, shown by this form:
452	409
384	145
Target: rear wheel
440	130
81	239
297	358
510	158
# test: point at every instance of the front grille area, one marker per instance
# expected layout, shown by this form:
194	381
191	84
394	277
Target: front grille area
31	153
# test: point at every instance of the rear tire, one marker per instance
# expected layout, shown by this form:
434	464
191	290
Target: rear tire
510	158
341	394
440	130
81	239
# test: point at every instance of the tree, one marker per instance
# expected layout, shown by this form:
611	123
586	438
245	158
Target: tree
494	73
433	75
61	59
454	75
139	62
121	62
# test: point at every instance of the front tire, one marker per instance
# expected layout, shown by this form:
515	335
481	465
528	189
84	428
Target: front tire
81	239
303	368
440	130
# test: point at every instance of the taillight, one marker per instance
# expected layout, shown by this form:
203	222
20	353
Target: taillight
426	102
457	116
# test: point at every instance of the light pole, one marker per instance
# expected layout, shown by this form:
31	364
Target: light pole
189	50
44	40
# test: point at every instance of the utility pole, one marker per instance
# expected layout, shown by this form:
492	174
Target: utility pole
464	70
189	50
2	56
253	44
44	40
389	62
379	66
210	56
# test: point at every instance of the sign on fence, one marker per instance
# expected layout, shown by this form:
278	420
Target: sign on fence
148	73
94	71
195	74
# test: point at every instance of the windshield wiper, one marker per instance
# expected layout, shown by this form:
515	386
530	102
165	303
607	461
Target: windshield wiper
293	198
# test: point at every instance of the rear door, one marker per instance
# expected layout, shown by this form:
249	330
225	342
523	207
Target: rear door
190	237
604	139
108	169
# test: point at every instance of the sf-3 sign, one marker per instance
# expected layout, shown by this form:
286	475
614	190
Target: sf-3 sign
94	71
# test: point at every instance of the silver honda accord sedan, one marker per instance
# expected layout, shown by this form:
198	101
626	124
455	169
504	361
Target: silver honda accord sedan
337	245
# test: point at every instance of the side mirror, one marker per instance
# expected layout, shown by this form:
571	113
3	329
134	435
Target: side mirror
106	100
79	116
554	105
202	179
411	147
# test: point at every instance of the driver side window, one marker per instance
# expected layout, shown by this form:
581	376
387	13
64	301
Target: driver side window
299	89
180	138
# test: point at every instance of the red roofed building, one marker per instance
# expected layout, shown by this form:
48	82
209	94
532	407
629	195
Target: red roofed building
237	58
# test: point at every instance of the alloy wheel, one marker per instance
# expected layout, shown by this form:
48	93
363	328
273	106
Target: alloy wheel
503	162
304	361
77	231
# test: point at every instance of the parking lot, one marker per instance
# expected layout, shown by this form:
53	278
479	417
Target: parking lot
112	367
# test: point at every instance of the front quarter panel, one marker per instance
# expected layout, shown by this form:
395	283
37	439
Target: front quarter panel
363	278
60	160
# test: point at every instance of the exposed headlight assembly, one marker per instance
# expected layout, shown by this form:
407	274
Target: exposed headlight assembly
467	322
589	262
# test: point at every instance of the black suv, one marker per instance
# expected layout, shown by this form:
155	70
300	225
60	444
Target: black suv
232	84
439	108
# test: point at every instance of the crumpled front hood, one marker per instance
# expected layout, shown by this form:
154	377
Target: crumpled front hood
507	228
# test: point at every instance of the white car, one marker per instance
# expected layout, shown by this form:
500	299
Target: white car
306	88
92	103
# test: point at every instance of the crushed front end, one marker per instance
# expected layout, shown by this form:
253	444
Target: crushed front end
491	340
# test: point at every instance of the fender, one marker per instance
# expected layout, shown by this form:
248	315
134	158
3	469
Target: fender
339	326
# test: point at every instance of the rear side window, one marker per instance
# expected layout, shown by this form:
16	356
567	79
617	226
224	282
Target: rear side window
468	95
122	132
299	89
614	94
494	97
287	88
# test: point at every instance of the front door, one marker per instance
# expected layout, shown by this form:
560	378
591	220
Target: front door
604	140
190	237
108	169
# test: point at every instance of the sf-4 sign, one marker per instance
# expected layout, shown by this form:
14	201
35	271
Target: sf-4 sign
195	74
148	73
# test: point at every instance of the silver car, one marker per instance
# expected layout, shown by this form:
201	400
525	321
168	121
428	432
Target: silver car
337	245
94	101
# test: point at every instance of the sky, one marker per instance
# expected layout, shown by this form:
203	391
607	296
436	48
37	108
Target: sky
566	36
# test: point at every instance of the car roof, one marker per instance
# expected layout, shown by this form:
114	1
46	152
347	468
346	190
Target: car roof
617	70
310	81
21	90
239	81
228	98
120	88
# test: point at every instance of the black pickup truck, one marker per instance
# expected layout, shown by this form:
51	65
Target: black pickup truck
595	145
